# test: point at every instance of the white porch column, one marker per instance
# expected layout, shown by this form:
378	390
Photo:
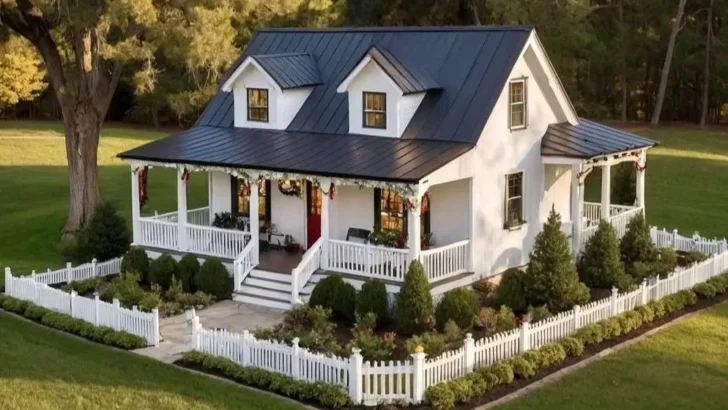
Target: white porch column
414	229
253	217
135	211
641	180
471	226
606	190
577	207
325	186
181	210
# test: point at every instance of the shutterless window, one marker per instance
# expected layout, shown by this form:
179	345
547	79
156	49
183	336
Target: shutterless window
517	99
514	200
257	104
375	110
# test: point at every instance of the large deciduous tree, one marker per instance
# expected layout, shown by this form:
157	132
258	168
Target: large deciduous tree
21	73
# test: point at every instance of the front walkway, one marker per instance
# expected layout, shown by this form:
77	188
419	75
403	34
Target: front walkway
234	316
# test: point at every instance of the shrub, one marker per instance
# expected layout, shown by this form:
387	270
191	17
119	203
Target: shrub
478	383
611	328
150	301
552	353
373	298
324	294
453	334
35	312
187	269
551	278
124	340
162	270
311	325
505	319
485	291
486	318
490	378
107	236
503	372
688	296
136	260
539	313
413	310
636	246
511	290
15	305
458	305
462	388
590	334
705	290
720	283
673	303
328	395
629	321
573	347
599	265
440	396
534	357
372	347
214	280
658	308
521	367
126	288
345	303
434	344
686	259
648	315
665	264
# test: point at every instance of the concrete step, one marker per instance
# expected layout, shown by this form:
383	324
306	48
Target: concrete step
268	284
262	274
265	292
244	297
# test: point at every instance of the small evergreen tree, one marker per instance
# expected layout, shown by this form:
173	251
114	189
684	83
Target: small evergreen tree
373	298
162	270
511	291
551	277
187	269
413	311
624	187
638	252
213	279
136	260
599	264
107	236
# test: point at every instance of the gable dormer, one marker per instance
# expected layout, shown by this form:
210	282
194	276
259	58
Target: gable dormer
383	93
269	89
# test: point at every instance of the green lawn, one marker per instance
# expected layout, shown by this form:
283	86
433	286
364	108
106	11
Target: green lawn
42	369
682	367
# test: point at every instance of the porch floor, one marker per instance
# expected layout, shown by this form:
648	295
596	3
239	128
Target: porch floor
278	261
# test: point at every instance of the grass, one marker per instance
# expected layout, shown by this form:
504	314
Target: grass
42	369
682	367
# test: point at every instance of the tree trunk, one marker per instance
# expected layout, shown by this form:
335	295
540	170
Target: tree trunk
82	141
706	69
623	113
668	61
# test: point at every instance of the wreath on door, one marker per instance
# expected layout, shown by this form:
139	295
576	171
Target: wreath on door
290	187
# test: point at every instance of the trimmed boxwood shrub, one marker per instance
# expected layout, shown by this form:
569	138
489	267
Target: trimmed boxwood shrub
413	312
433	343
440	396
611	328
534	357
648	315
590	334
705	290
572	346
458	305
551	354
35	312
214	280
162	269
720	283
345	303
327	395
658	308
187	269
325	292
629	321
522	368
373	297
136	260
511	290
505	319
503	371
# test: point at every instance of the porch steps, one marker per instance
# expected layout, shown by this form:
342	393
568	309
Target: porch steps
265	288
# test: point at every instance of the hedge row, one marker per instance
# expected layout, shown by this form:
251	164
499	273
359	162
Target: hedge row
328	395
79	327
445	396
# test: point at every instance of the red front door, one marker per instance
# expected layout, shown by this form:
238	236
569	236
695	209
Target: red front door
313	213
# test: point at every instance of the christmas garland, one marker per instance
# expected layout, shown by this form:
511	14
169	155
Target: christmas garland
290	187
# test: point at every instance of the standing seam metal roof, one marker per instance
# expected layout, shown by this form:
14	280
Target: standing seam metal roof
290	70
589	139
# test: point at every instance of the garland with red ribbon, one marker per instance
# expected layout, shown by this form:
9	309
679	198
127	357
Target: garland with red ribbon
185	175
640	168
142	176
332	191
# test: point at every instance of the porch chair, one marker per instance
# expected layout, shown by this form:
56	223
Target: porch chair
358	235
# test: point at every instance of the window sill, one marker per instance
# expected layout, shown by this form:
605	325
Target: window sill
512	129
513	228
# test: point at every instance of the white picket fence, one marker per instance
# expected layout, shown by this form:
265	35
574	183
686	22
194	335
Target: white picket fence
81	272
372	383
665	239
95	311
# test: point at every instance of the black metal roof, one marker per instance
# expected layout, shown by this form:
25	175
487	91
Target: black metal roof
290	70
409	79
351	156
470	64
589	139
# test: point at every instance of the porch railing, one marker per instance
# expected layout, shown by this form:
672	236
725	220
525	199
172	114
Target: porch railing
620	216
158	233
246	261
198	216
225	243
367	260
446	261
310	263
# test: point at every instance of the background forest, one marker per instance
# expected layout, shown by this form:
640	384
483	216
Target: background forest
608	53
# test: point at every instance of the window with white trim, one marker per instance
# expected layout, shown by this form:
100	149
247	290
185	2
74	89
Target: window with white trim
258	104
517	103
375	110
514	200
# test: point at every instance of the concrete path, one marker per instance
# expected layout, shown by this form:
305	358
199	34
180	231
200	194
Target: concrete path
235	316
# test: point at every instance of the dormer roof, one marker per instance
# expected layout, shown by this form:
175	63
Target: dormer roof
290	70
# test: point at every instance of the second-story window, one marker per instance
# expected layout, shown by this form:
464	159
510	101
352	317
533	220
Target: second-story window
257	104
517	98
375	110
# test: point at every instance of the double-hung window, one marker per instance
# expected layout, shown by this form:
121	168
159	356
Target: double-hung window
375	110
514	200
517	109
258	104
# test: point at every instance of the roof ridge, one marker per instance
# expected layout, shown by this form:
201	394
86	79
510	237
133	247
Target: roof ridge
281	55
512	27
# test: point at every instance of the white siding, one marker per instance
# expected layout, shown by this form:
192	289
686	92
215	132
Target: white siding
288	213
449	212
220	194
557	183
351	208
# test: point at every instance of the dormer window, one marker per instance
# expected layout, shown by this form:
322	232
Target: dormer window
258	104
517	98
375	110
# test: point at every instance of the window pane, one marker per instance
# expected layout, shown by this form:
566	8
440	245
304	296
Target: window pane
517	117
516	92
515	211
392	209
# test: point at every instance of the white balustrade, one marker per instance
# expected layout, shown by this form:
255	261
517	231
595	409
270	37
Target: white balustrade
158	233
246	261
310	263
367	260
199	216
592	211
446	261
224	243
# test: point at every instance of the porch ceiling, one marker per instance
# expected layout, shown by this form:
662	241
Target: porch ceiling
589	139
328	155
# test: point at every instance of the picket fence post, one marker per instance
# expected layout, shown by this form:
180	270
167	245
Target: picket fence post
692	275
155	326
69	272
195	341
614	304
355	362
643	287
418	379
117	316
97	302
674	238
93	267
8	281
295	361
575	321
246	348
72	299
469	350
525	340
35	288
